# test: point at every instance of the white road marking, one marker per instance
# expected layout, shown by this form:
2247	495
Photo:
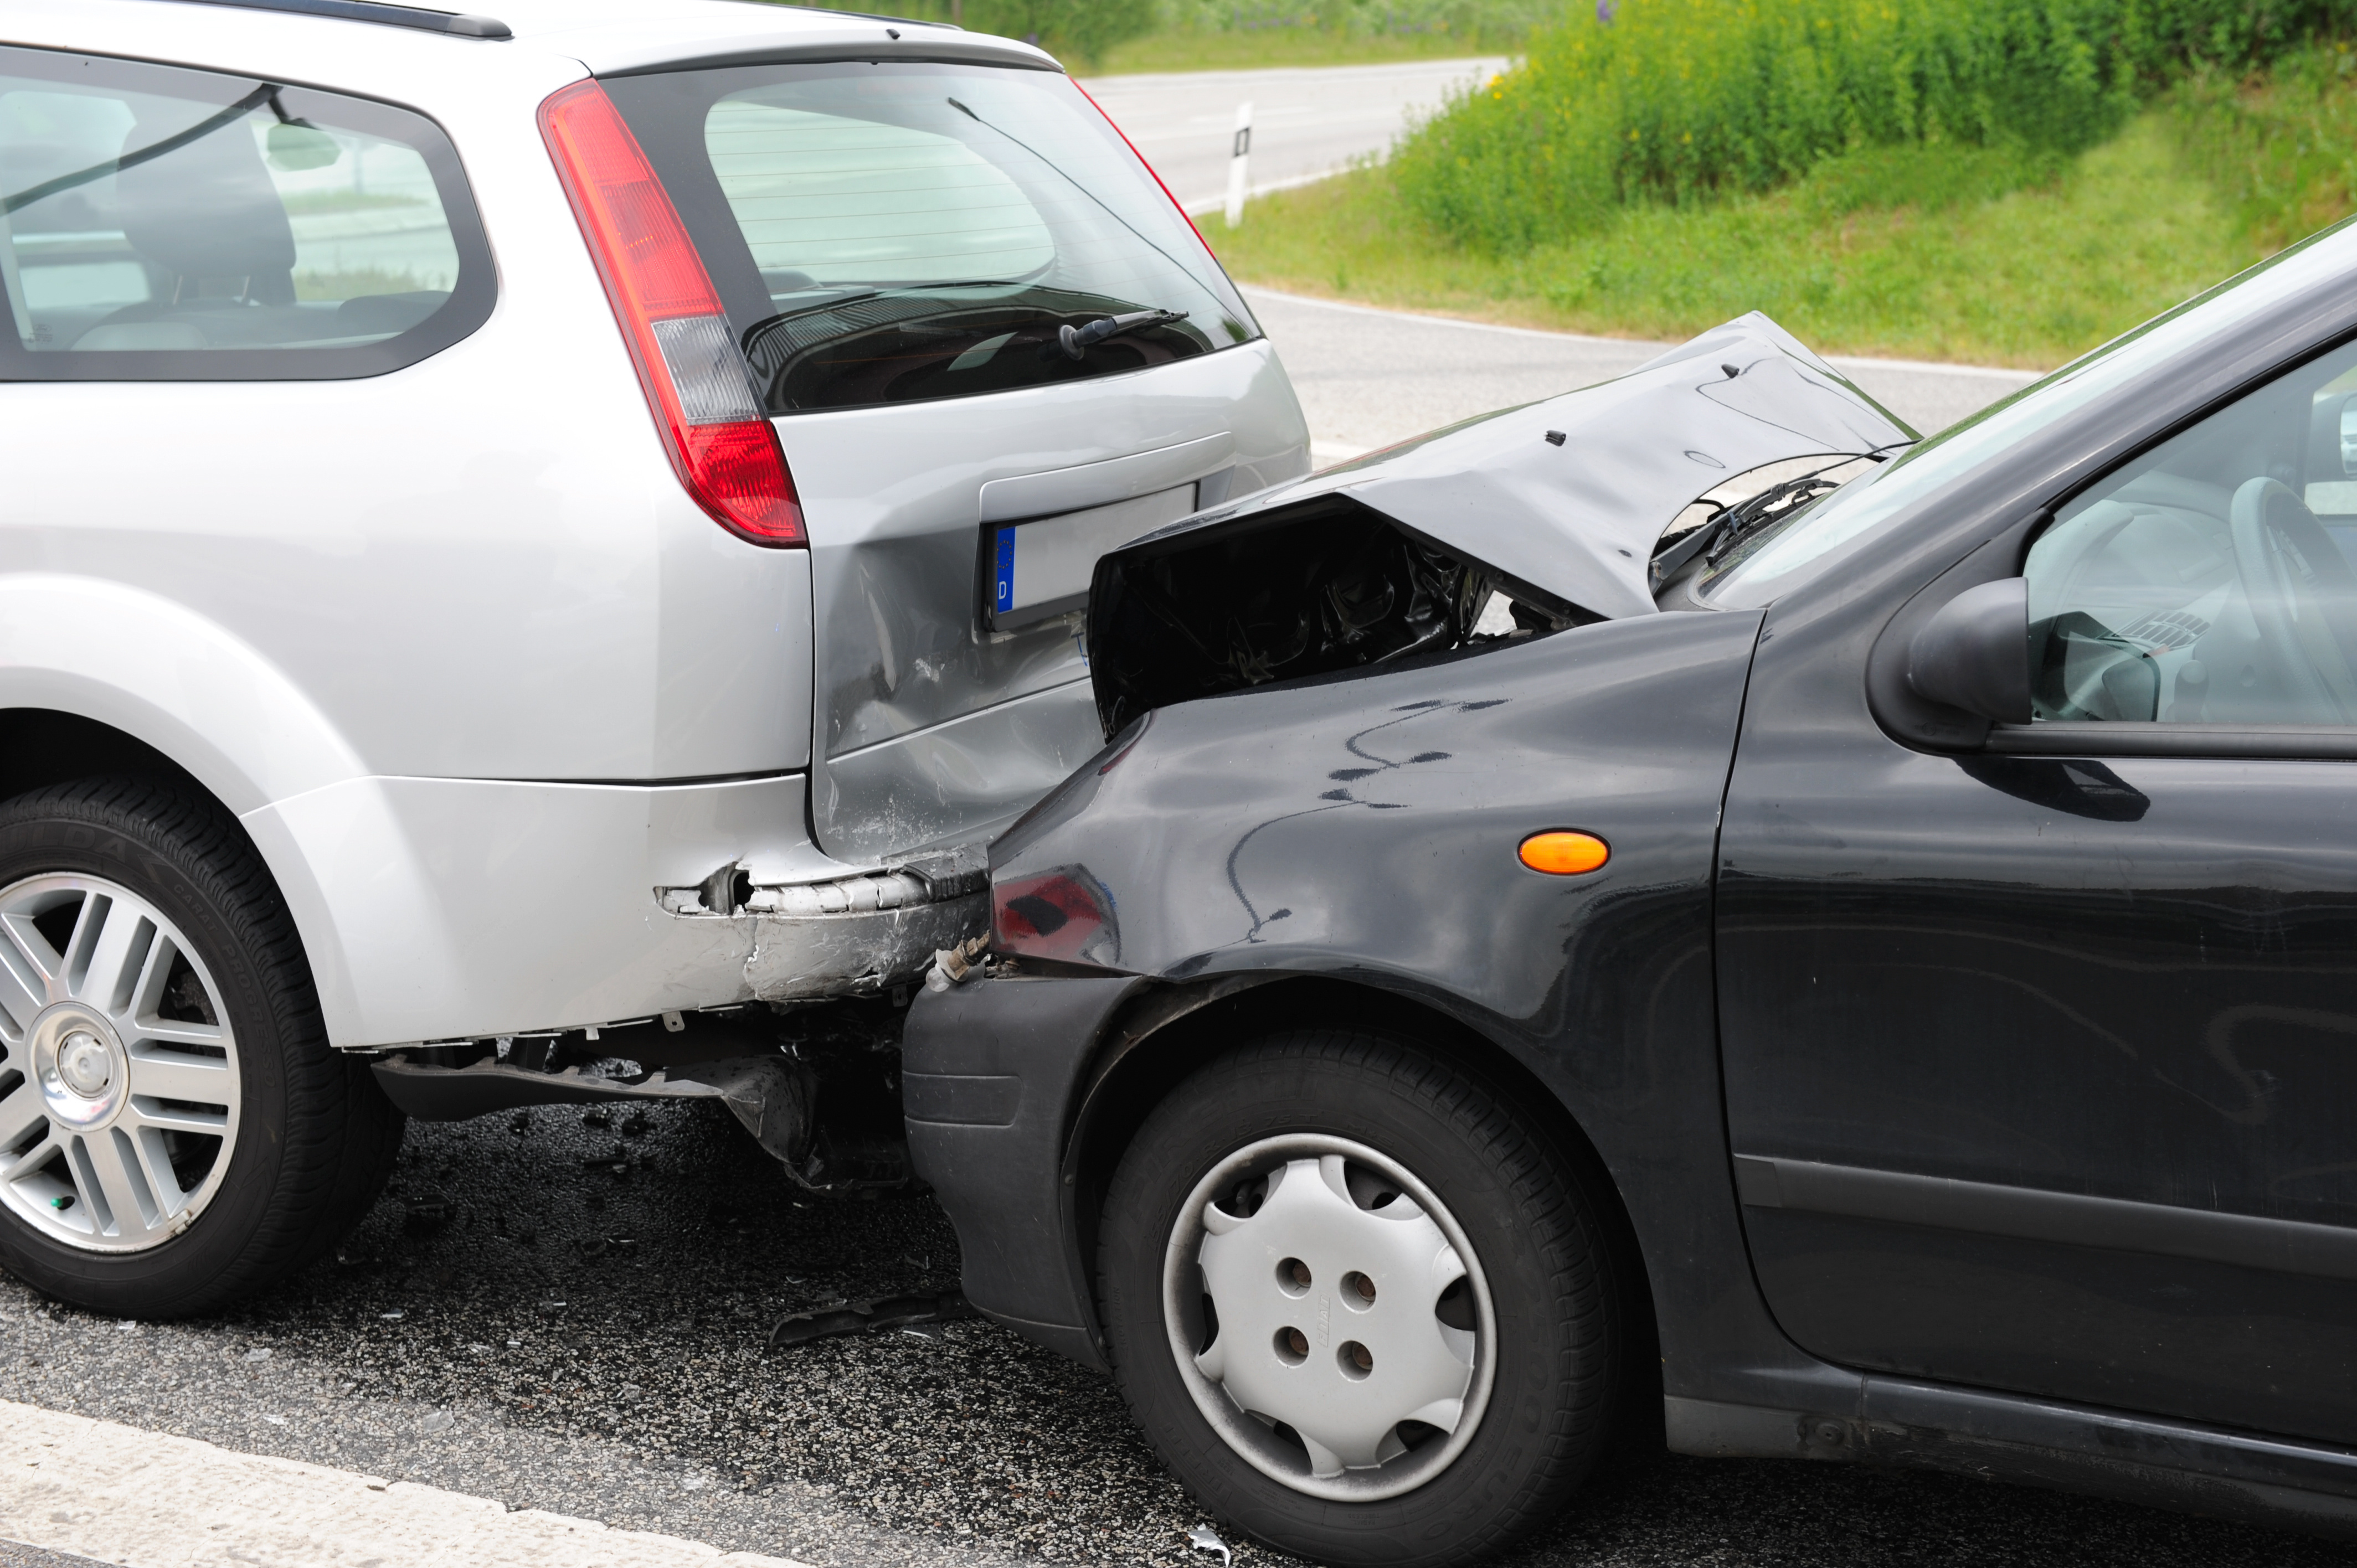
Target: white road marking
1308	123
147	1500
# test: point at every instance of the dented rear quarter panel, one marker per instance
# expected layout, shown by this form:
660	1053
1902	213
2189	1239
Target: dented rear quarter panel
1367	827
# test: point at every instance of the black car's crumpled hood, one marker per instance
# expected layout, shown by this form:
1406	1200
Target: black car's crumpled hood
1579	520
1558	504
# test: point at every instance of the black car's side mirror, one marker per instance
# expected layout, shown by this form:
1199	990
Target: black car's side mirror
1974	653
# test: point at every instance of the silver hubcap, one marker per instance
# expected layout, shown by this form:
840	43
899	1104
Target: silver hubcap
118	1077
1330	1317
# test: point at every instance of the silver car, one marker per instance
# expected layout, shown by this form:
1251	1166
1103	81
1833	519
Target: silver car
541	547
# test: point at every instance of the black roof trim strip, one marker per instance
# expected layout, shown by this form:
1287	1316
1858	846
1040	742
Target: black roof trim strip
931	51
454	24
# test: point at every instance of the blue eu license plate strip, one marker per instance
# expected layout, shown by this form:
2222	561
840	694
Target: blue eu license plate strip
1001	593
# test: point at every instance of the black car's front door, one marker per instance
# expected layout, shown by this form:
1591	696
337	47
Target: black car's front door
2041	1071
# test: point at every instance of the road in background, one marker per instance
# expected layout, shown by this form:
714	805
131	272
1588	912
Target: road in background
1308	123
1368	378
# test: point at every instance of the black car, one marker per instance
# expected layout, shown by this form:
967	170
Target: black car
1872	968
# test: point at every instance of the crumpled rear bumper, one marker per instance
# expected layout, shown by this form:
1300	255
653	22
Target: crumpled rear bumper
441	909
848	936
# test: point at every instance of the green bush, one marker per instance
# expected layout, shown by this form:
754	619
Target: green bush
1079	31
1495	24
2280	150
1683	101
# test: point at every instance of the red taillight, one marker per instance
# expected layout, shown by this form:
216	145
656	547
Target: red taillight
1065	914
723	447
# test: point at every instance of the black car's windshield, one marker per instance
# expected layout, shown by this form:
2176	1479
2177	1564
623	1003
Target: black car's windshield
892	234
1771	560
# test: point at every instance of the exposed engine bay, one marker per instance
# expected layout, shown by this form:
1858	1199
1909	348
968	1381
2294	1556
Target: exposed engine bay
1330	585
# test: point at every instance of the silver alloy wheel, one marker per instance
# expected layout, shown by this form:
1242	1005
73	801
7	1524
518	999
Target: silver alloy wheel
119	1084
1324	1358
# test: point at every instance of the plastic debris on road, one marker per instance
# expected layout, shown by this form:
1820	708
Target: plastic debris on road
868	1316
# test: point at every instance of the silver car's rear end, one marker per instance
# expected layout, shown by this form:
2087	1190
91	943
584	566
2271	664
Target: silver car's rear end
915	255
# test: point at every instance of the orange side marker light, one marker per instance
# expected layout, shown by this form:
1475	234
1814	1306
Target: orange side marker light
1565	854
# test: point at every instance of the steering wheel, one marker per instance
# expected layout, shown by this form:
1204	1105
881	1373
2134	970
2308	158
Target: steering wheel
2268	520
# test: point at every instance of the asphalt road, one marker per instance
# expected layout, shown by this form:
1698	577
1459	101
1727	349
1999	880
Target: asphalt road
590	1342
1307	124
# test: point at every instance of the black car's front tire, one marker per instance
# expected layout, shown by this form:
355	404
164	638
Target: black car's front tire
1361	1305
175	1130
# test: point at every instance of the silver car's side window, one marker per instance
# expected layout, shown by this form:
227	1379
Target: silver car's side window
162	223
2211	581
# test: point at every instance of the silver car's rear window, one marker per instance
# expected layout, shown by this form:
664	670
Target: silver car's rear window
894	233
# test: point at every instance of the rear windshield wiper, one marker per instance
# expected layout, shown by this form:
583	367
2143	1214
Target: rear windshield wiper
1074	342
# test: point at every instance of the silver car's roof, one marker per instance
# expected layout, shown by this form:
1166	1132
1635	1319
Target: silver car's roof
613	36
607	36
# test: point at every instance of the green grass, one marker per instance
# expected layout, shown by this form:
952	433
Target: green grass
1281	47
2281	149
1686	102
1921	179
2030	277
355	282
1115	37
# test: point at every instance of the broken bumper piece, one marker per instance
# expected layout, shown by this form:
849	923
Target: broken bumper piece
850	935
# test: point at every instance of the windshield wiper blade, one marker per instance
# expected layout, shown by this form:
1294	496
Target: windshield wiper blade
1717	532
1686	546
853	293
1074	342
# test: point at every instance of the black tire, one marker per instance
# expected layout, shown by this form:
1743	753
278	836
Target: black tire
1559	1373
316	1137
366	1156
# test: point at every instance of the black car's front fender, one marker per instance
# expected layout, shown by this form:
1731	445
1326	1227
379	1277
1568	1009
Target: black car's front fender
1365	830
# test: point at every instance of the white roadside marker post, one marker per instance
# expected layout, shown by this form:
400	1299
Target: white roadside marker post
1238	162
